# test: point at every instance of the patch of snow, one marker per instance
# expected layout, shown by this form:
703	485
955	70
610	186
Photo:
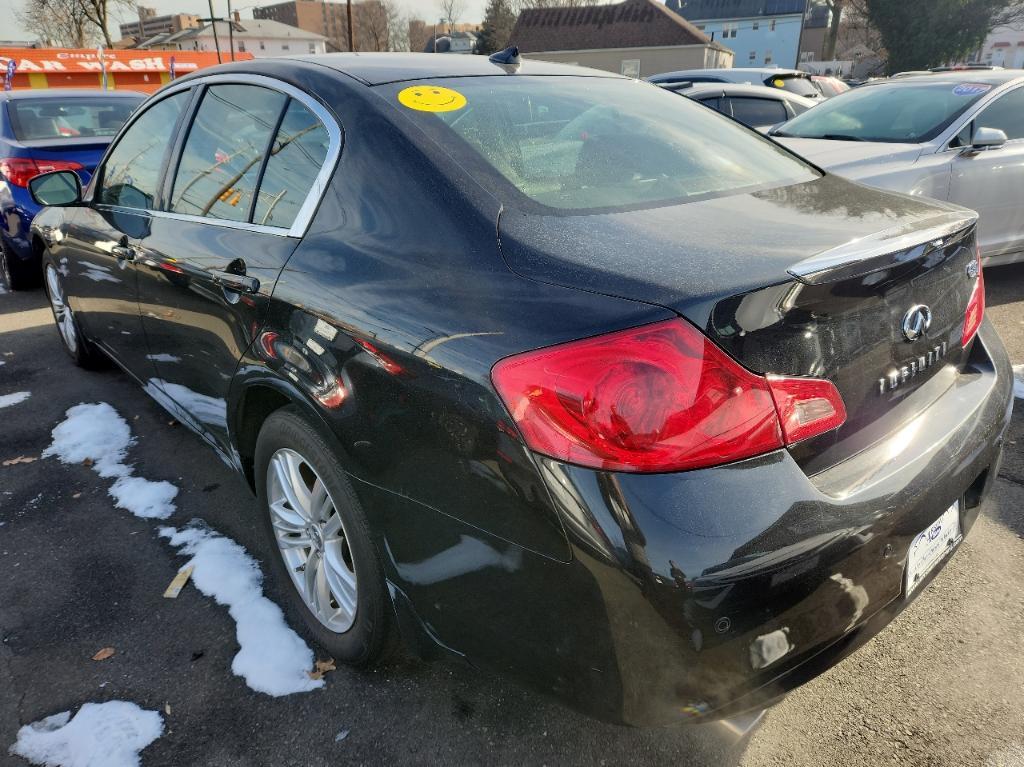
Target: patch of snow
94	432
97	433
1018	381
144	498
107	734
271	658
6	400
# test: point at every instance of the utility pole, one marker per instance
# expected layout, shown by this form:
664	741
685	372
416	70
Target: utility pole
351	29
213	22
800	39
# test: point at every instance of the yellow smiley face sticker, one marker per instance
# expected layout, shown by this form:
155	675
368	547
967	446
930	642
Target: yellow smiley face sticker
779	83
431	98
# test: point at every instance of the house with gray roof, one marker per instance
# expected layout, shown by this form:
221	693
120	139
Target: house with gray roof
636	38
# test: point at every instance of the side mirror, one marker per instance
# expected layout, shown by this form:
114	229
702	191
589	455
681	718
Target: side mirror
60	187
987	138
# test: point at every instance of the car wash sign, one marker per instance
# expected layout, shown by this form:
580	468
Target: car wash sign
80	68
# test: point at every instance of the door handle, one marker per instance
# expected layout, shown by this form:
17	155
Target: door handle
237	282
123	252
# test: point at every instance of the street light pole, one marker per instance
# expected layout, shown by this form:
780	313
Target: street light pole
231	31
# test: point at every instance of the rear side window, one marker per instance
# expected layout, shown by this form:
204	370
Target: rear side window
132	171
753	111
584	143
49	118
1006	114
224	152
714	102
296	156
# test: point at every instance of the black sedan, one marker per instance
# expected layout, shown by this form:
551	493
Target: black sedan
544	368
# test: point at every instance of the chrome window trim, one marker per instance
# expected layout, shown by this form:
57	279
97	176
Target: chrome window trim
316	192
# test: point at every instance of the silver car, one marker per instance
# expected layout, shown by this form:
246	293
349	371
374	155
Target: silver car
956	136
752	105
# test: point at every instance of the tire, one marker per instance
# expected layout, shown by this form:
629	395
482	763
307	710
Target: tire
338	544
82	351
18	274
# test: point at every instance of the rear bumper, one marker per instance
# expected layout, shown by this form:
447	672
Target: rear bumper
737	584
697	595
17	209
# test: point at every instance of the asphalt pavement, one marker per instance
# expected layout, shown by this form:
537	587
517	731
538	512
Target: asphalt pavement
942	685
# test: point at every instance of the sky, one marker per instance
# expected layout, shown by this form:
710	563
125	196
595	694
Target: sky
427	10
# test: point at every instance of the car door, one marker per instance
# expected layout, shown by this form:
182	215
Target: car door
103	234
236	206
991	181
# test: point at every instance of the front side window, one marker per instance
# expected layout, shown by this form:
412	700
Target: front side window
131	174
296	157
223	154
1006	114
582	143
911	113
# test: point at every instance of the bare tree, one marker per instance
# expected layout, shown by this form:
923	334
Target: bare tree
398	26
1011	16
452	11
98	12
61	23
372	25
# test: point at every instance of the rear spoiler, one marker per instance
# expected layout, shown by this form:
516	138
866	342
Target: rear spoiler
899	244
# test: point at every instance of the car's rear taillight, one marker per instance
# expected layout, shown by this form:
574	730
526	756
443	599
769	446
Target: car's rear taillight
20	170
807	406
975	307
656	398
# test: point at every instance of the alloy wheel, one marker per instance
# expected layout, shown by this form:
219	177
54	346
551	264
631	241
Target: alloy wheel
312	540
61	311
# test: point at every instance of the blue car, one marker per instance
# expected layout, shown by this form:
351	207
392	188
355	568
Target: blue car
43	131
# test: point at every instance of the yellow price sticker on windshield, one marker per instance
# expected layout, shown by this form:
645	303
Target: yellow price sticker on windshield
431	98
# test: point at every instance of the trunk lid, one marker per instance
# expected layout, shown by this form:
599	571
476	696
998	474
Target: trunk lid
814	279
87	152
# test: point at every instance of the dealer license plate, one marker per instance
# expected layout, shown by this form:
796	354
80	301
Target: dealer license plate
931	545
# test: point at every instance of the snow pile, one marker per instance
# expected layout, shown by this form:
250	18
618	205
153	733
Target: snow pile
272	658
6	400
97	433
1018	381
101	735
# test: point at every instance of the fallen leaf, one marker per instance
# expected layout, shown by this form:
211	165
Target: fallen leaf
322	667
103	654
88	462
167	709
19	459
77	495
178	583
341	736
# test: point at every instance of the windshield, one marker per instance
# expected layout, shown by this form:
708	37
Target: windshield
48	118
581	143
910	113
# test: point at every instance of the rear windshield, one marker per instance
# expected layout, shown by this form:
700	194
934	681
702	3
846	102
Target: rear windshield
581	143
801	86
50	118
910	113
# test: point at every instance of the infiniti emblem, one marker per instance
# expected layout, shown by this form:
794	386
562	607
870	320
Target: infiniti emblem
916	322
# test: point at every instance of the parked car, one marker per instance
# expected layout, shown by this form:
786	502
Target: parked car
43	131
752	105
791	80
661	431
957	136
829	86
